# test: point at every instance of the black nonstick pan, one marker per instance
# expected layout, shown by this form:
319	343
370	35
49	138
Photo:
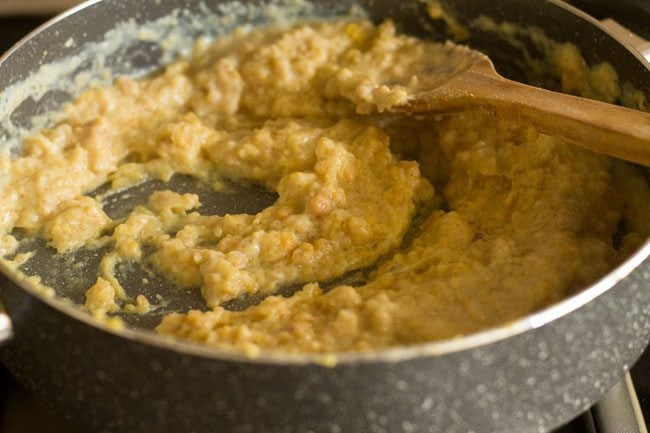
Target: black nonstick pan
528	376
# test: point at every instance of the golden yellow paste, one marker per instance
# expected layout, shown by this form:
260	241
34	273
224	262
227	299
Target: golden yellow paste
510	220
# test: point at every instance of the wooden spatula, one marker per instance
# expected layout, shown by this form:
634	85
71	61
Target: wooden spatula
606	128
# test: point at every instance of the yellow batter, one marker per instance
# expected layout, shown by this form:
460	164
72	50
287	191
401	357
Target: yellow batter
513	220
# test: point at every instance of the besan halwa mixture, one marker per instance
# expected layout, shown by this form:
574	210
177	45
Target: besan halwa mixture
465	221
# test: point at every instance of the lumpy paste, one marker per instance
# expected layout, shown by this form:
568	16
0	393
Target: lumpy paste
457	223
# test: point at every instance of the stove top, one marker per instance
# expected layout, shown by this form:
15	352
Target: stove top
619	412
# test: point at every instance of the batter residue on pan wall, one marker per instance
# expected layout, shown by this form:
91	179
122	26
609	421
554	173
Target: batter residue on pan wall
510	220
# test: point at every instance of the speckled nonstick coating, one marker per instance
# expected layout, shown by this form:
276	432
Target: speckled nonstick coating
529	376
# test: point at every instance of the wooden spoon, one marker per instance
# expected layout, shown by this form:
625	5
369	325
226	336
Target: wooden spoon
606	128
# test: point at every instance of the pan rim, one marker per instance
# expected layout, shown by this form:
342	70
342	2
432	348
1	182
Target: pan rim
436	348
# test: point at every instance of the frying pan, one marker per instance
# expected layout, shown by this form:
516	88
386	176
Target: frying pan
527	376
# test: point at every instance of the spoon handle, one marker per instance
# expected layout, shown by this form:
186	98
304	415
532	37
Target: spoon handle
605	128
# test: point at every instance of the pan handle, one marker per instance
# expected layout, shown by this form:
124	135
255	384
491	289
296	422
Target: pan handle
6	327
